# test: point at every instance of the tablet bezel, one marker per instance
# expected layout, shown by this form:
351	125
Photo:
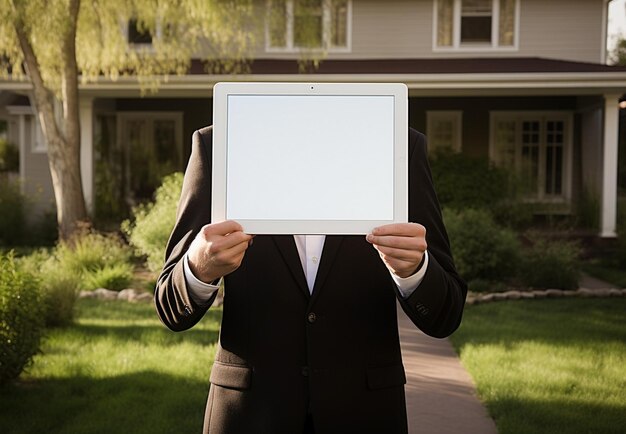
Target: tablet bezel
221	92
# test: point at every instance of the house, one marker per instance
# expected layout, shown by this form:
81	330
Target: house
523	82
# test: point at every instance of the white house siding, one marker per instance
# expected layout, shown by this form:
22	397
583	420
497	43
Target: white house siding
37	182
562	29
391	29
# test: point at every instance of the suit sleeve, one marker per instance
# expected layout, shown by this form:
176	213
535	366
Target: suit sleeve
172	298
436	306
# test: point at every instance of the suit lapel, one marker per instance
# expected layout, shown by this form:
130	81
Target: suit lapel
287	247
331	247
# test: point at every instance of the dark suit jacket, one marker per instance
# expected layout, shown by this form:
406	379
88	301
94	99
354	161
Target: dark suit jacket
335	353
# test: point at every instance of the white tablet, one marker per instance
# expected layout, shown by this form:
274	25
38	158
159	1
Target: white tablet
310	158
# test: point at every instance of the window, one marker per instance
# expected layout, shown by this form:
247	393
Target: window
476	24
444	130
33	129
476	17
150	147
138	34
537	146
308	24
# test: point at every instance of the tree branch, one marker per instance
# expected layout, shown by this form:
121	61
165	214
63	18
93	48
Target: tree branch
43	96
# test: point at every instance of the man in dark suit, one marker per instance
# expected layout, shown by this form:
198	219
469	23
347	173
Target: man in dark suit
309	339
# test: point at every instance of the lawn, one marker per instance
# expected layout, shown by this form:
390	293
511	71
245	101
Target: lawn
549	366
118	369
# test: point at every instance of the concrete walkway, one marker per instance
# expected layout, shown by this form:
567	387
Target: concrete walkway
440	394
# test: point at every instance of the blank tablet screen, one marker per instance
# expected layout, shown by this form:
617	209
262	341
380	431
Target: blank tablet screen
310	157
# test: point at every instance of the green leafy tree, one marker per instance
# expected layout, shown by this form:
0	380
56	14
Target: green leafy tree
618	55
56	44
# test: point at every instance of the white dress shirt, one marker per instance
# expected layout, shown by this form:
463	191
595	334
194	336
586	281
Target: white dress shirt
310	251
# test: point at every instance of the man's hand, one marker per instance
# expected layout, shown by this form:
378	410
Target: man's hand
217	250
401	246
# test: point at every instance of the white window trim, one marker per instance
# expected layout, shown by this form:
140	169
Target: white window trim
568	116
290	48
38	144
477	48
458	117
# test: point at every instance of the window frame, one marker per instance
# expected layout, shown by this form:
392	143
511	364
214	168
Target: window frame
290	47
457	46
457	115
543	117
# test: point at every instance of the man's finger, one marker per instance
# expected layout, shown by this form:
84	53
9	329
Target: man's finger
400	254
225	242
400	229
222	228
399	242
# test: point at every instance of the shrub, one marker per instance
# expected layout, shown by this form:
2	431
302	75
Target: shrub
9	157
114	277
551	264
481	285
91	251
465	182
59	288
21	319
96	259
12	213
481	249
153	222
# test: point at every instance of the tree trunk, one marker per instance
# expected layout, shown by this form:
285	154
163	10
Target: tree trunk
63	141
64	162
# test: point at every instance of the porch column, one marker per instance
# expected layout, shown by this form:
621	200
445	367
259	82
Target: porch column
608	211
86	150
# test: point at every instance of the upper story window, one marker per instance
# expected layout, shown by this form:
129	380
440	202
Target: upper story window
137	34
308	24
476	24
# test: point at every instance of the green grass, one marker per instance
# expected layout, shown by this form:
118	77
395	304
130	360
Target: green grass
118	369
550	366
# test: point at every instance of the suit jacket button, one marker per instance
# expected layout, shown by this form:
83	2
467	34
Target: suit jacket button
311	317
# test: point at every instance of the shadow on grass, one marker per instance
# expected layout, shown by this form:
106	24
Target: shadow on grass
146	333
144	402
557	416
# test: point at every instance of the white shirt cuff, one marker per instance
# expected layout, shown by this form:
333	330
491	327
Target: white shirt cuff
406	285
199	291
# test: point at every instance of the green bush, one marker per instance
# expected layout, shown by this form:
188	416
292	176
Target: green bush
91	251
95	259
465	182
481	285
114	277
153	222
21	319
481	249
12	213
551	264
9	157
59	288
